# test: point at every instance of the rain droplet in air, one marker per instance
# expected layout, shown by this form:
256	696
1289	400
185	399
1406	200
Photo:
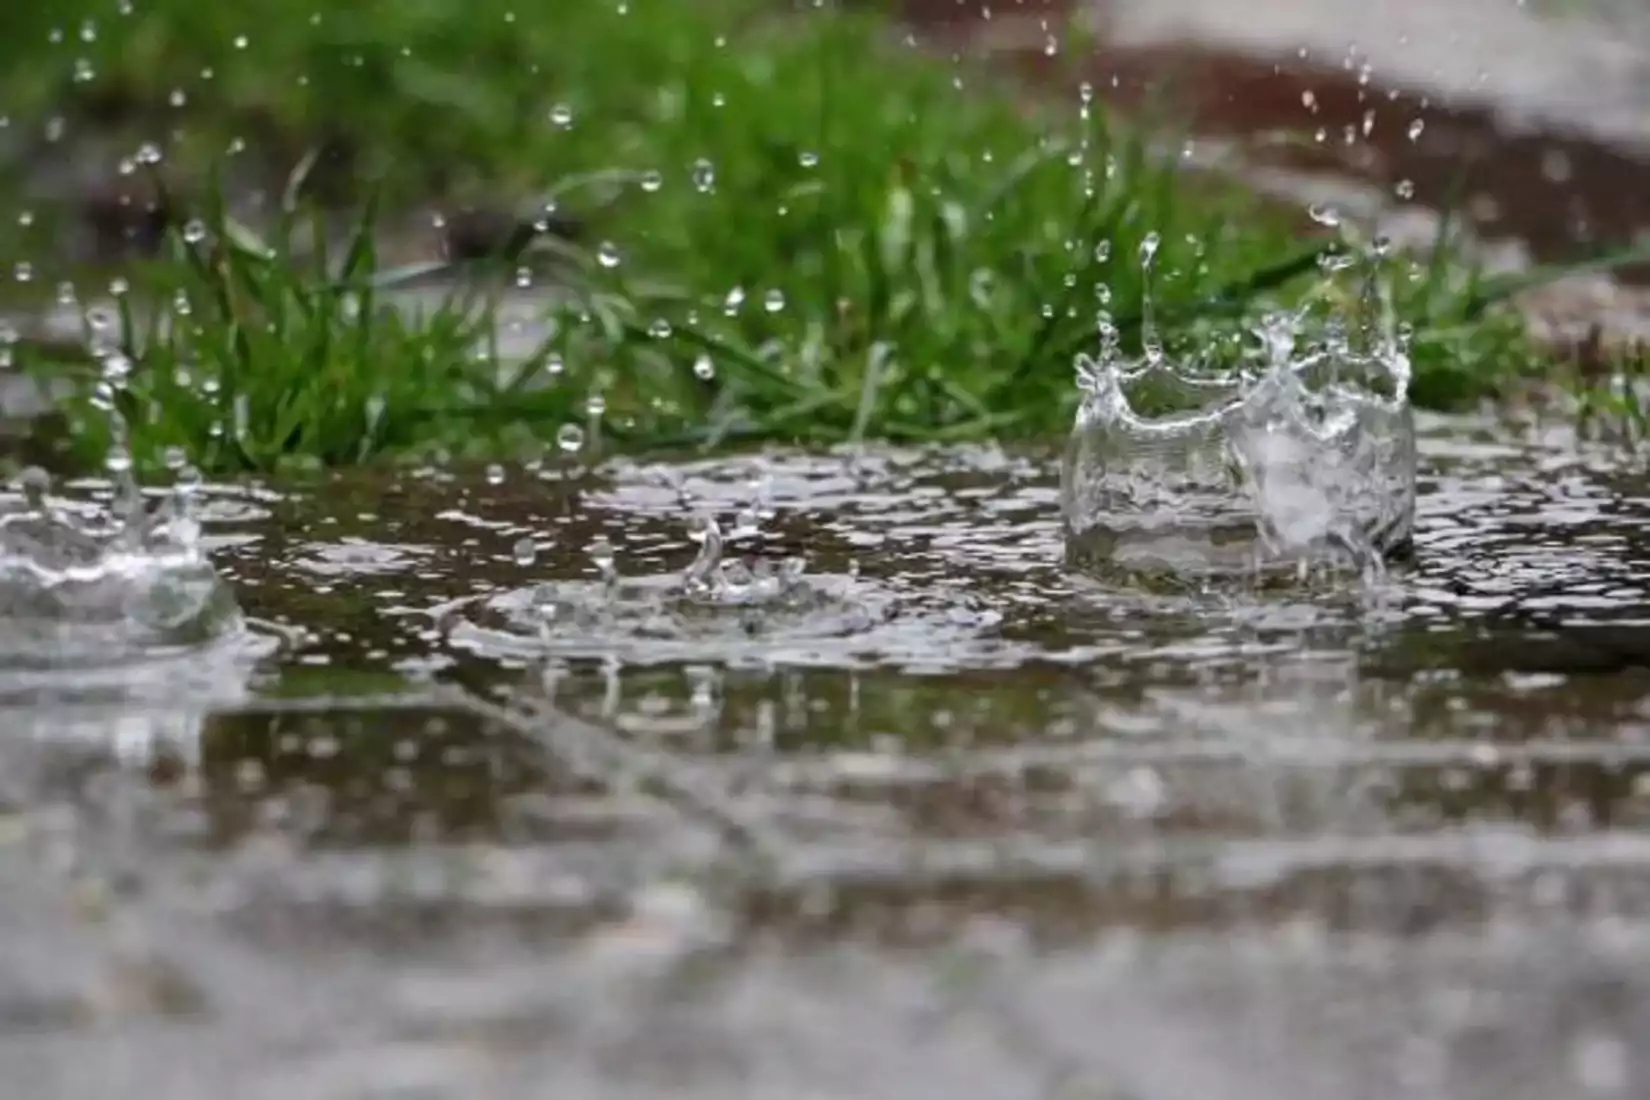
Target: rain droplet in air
570	438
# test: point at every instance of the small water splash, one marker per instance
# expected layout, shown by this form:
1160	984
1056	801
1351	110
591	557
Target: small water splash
745	594
106	578
1299	460
701	572
105	581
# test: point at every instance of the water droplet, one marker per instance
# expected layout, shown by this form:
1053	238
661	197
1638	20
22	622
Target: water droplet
525	552
652	181
1324	214
607	254
603	555
1148	248
774	301
704	175
1416	128
495	474
704	368
561	116
570	438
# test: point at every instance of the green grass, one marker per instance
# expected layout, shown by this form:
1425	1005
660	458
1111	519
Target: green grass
796	229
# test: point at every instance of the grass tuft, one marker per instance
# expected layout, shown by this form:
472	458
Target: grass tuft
797	229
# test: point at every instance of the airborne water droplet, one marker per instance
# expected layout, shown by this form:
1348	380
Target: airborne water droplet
704	175
570	438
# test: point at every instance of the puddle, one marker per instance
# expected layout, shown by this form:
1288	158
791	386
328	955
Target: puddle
525	805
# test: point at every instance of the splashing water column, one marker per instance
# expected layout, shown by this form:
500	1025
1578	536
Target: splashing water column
1298	462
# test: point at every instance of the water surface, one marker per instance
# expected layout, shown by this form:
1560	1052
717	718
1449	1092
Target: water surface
459	813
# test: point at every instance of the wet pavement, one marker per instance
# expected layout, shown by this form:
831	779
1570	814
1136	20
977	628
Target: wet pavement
487	802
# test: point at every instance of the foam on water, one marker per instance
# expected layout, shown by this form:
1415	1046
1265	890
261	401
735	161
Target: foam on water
1299	461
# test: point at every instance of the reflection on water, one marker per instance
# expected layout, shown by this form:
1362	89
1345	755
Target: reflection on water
543	798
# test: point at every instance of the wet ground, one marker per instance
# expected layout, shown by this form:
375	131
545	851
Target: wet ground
487	802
